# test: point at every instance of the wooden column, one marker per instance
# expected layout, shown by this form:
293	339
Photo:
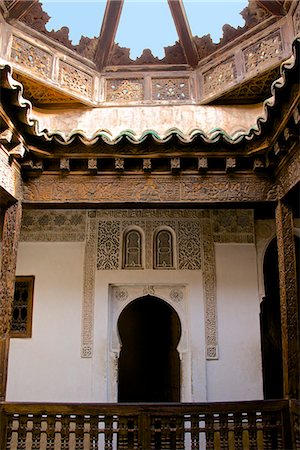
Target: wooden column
288	300
10	239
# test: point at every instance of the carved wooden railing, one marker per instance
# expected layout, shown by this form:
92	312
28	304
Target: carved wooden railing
236	425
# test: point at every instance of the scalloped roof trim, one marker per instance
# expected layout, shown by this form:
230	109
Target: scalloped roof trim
213	136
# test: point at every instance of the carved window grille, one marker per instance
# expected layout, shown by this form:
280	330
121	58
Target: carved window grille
133	250
164	255
21	325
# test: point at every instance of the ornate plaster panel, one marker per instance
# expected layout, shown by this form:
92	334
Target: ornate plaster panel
87	329
209	286
53	225
233	225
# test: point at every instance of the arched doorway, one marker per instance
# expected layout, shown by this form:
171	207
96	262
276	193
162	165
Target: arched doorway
149	364
270	320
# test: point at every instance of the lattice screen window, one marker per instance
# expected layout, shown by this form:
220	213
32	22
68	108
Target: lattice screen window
21	326
132	250
164	258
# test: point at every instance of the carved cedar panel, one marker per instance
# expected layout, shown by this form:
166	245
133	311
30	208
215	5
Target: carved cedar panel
263	52
218	77
30	56
75	79
170	89
124	90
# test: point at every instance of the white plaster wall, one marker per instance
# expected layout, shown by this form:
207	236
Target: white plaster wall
237	375
48	367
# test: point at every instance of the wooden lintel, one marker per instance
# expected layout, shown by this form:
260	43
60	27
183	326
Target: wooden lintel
184	31
272	6
108	32
20	8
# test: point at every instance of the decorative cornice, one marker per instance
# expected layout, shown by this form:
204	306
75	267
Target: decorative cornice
23	109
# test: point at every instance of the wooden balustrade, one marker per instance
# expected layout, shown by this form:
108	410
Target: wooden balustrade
235	425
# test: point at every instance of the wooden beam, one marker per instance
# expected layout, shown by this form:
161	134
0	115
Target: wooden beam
19	8
108	32
272	6
184	31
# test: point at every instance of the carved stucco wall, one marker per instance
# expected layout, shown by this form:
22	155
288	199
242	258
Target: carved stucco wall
196	232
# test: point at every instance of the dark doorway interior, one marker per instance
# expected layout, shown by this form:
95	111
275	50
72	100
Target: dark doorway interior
149	364
271	323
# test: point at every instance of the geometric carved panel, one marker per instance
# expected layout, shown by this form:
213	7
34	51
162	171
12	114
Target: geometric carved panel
262	52
76	80
32	57
219	76
124	90
189	245
108	245
170	89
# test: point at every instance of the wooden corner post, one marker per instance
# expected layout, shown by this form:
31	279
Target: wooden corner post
288	299
10	240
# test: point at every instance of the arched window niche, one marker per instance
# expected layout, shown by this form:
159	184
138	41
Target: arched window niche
164	245
133	252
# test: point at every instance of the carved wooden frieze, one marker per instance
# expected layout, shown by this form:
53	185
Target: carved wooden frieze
124	90
75	79
30	56
170	89
218	77
154	189
263	52
233	225
53	225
